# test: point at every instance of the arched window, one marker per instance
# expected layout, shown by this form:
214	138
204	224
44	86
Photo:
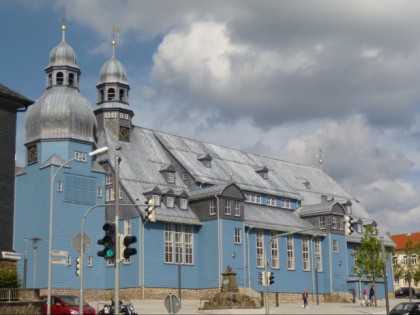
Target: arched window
121	94
101	95
71	79
60	78
50	79
111	94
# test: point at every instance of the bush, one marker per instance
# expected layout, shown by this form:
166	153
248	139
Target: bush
9	279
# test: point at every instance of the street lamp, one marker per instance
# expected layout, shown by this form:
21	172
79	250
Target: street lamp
93	153
35	241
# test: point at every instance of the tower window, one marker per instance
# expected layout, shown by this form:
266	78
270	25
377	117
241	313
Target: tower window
101	95
121	94
60	78
50	79
111	94
71	79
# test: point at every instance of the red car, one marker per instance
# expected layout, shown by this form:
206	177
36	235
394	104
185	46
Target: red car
67	305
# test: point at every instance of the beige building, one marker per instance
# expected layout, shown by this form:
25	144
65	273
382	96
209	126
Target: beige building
405	258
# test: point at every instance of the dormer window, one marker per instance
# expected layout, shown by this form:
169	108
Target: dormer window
262	171
156	199
183	203
170	202
205	159
169	172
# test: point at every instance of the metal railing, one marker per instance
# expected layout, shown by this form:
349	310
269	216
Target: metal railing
8	295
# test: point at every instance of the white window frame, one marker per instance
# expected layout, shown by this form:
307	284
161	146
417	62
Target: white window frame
59	186
90	262
183	203
275	257
170	202
212	210
335	246
237	236
271	201
305	254
156	199
184	176
290	253
99	192
322	222
259	238
170	177
178	244
228	207
286	204
318	254
108	179
237	209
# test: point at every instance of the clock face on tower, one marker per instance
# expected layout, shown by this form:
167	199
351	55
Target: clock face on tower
32	154
124	134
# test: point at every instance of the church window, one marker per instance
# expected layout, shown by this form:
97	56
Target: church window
179	244
90	262
156	200
111	94
285	204
305	253
108	179
271	201
114	114
107	115
50	79
237	236
335	246
32	154
318	255
126	116
260	248
101	97
122	115
124	133
121	94
60	78
71	79
290	252
275	260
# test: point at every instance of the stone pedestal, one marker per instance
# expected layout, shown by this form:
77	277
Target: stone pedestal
229	283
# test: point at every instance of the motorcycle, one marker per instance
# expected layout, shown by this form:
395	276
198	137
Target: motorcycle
125	309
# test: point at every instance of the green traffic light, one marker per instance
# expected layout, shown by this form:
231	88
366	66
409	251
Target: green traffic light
109	253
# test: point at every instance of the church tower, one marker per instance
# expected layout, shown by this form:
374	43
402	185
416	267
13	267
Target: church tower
113	112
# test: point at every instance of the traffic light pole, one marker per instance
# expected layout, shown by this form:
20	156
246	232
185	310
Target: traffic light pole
117	229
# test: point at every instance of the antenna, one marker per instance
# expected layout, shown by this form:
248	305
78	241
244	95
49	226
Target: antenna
320	157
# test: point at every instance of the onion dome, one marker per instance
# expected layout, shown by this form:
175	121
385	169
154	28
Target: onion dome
62	112
113	71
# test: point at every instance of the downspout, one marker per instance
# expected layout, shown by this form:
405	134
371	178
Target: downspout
247	258
330	260
219	241
313	265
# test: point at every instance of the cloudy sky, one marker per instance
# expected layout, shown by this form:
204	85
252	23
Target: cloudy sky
276	78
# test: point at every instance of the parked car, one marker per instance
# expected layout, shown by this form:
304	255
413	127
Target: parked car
404	292
406	308
66	305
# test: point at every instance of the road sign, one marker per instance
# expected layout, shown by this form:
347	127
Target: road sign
172	304
59	261
60	253
76	242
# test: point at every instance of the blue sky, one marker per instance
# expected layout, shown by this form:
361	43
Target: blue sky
276	78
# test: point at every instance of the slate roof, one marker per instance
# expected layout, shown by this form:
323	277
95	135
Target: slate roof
149	151
14	98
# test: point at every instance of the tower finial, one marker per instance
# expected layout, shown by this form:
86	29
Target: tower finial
63	26
115	32
320	157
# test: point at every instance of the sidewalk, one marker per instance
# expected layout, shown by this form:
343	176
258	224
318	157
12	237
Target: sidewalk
193	307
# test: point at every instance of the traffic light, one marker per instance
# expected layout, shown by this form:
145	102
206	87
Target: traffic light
150	211
262	278
348	225
78	266
108	241
128	251
271	278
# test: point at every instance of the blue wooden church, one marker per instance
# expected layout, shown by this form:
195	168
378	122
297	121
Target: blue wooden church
215	206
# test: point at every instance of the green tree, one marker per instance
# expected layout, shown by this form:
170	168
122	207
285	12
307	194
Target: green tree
410	269
9	279
368	258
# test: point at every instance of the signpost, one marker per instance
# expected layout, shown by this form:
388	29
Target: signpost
172	304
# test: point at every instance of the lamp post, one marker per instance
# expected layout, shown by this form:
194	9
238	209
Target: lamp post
385	275
35	241
93	153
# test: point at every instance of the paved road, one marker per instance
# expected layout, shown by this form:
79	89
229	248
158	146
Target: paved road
193	307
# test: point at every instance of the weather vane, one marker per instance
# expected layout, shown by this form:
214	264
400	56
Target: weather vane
115	33
63	20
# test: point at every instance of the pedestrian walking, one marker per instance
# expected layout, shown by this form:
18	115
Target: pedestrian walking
371	295
305	298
